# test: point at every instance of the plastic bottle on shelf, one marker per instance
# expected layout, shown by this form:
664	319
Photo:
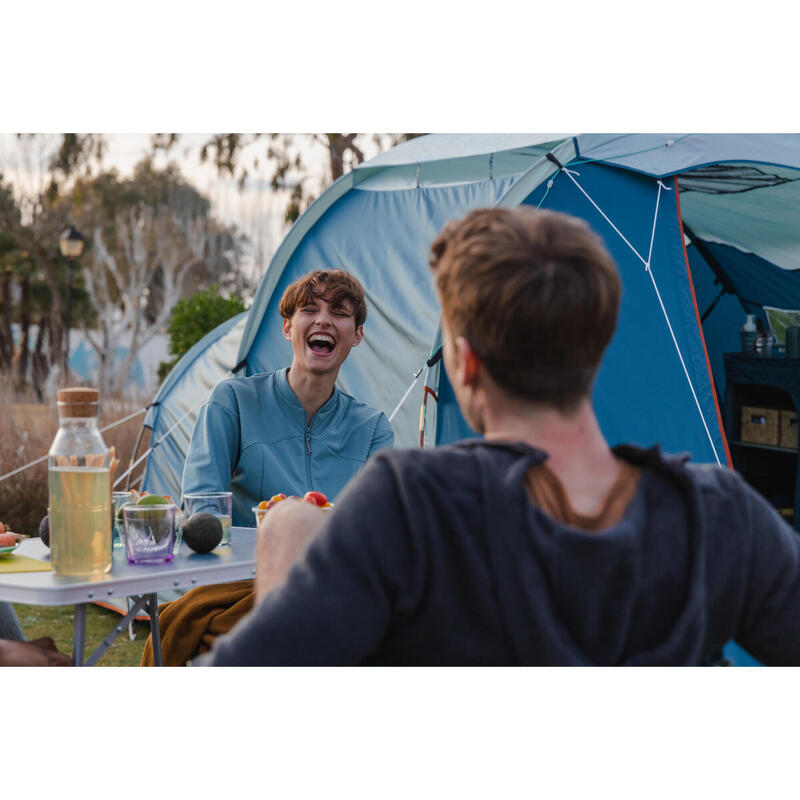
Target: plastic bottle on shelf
749	334
80	488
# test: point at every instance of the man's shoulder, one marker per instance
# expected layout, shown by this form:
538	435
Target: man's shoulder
355	409
228	391
448	464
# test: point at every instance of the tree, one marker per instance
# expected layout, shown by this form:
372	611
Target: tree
193	317
32	216
149	235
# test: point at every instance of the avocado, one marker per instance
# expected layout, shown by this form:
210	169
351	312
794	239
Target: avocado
44	531
202	532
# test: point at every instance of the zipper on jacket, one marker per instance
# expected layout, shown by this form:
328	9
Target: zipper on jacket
308	458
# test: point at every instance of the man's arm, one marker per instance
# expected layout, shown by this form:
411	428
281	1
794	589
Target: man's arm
38	653
284	535
214	448
336	603
770	624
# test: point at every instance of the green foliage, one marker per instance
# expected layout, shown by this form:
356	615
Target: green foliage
193	317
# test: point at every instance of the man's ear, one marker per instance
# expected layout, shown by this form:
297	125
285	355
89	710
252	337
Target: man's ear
468	362
286	326
359	335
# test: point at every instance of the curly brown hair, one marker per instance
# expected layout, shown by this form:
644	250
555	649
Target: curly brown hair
333	286
535	293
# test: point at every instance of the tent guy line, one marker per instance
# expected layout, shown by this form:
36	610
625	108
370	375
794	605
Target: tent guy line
42	458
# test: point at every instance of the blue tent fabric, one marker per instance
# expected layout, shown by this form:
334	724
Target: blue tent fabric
174	408
642	362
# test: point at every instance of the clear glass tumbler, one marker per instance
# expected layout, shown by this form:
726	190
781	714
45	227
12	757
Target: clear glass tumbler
120	499
149	533
220	504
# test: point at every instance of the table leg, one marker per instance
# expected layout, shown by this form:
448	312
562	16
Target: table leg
79	634
155	631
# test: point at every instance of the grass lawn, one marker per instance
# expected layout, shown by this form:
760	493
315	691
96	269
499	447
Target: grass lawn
57	622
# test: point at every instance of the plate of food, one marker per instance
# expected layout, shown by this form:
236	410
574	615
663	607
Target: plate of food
9	541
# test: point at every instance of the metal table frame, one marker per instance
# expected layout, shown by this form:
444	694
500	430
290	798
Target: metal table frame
139	582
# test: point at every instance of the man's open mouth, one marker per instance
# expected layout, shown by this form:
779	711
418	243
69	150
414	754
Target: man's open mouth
321	343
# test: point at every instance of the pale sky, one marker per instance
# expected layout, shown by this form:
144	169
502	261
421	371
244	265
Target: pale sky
255	210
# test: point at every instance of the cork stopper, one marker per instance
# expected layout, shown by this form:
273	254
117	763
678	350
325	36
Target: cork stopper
78	402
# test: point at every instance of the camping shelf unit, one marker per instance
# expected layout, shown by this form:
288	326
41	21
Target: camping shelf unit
765	392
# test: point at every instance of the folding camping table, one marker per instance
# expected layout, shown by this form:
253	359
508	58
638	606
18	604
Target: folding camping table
139	582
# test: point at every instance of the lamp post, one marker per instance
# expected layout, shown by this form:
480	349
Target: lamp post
71	244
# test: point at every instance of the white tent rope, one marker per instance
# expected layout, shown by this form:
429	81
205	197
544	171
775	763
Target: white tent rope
571	174
408	392
124	419
658	293
44	458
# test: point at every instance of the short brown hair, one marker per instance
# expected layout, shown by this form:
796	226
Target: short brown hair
333	286
535	293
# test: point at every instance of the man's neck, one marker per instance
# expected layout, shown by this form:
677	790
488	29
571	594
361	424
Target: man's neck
313	391
577	451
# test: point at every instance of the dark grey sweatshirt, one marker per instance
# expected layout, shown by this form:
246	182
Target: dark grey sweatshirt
437	557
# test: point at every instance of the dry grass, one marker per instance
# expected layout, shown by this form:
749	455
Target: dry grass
27	430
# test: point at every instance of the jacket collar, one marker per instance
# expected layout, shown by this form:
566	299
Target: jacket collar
287	394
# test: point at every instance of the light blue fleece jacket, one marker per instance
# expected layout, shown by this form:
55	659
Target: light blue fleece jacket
251	437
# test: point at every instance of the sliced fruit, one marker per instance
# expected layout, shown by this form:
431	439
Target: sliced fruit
152	500
317	498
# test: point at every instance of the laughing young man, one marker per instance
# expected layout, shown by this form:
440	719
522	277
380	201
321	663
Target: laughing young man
291	431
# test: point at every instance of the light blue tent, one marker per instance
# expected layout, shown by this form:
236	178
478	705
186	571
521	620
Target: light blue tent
700	225
173	411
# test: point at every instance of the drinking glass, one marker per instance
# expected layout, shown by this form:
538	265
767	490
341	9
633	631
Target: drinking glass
149	533
120	499
220	504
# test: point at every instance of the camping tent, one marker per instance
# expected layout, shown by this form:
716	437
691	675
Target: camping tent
738	195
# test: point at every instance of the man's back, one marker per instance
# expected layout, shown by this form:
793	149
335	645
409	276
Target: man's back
439	558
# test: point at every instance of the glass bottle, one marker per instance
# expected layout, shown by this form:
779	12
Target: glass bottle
80	488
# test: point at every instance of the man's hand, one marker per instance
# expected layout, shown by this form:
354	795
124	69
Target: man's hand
283	536
38	653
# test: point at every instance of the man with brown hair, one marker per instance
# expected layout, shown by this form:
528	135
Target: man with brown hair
538	544
291	431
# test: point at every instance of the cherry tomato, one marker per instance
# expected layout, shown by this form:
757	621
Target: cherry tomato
317	498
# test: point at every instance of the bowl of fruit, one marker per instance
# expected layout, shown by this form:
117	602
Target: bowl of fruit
315	498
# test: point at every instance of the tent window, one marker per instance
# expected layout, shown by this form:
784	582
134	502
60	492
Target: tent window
727	179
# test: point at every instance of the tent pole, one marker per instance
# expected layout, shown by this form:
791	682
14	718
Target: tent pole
727	286
713	305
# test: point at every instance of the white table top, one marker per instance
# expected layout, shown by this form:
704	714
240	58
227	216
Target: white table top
233	562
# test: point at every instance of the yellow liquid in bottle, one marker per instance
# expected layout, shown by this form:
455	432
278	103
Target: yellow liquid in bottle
80	520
